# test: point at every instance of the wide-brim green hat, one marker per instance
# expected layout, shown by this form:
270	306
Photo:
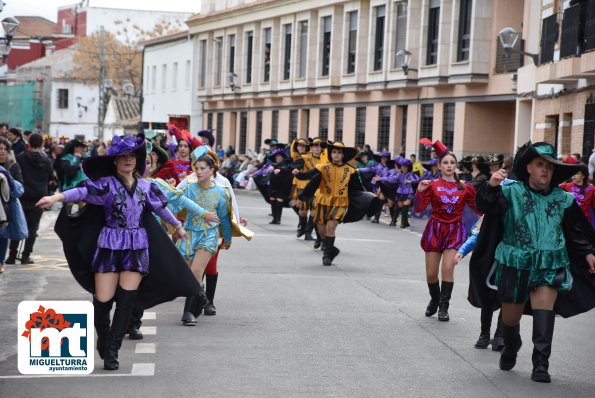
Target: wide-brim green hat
529	151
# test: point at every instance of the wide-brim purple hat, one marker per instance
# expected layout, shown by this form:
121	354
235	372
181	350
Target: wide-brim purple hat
431	163
276	152
103	166
378	156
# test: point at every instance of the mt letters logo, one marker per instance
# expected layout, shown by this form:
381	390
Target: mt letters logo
56	337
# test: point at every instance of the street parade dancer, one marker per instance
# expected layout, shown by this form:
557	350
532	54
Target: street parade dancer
543	248
380	169
179	167
311	159
202	241
299	149
387	185
335	184
279	183
129	246
445	232
583	191
405	193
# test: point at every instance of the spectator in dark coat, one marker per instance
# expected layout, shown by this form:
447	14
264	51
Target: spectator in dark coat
37	173
16	139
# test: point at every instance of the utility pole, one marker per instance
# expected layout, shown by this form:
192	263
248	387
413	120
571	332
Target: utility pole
101	84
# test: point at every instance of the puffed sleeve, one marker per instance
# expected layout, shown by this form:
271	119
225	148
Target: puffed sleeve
470	195
176	200
468	246
94	192
157	203
423	198
223	214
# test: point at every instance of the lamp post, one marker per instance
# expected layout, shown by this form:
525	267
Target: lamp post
508	38
10	26
406	54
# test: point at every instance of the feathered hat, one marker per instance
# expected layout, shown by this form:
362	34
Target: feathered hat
103	166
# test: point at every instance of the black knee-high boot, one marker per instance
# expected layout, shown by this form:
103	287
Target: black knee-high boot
434	289
302	226
101	311
135	323
309	229
125	300
445	293
318	241
498	342
279	211
486	323
393	218
512	345
543	333
330	251
210	290
276	207
193	308
405	216
376	219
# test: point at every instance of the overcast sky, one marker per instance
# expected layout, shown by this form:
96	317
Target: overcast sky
49	8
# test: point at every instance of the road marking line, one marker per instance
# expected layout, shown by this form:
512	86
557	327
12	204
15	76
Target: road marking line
342	239
149	315
148	330
145	348
143	369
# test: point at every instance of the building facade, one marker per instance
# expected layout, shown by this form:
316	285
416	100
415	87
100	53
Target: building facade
287	69
557	94
168	83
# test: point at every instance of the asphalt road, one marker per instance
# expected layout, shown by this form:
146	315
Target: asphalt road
287	326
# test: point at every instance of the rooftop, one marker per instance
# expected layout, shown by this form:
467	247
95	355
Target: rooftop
32	26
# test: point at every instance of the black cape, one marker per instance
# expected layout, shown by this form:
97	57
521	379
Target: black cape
580	298
169	276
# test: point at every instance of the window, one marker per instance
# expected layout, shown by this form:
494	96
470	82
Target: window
146	79
210	120
163	77
326	45
267	55
258	138
427	122
448	125
352	42
339	124
62	98
307	117
202	74
303	49
287	52
404	109
219	131
249	49
174	77
187	74
383	128
464	30
231	53
433	27
243	131
400	33
154	79
293	124
360	126
380	12
323	124
275	125
218	60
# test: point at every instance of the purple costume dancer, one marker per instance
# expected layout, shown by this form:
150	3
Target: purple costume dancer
380	170
405	192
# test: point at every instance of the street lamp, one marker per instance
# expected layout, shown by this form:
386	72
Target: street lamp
10	26
508	38
406	60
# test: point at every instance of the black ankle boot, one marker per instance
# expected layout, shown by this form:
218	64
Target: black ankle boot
188	318
210	293
376	219
445	292
12	258
405	217
135	323
302	226
101	312
498	341
543	332
512	345
486	323
434	289
125	300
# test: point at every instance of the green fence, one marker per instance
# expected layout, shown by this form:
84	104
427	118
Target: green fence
19	107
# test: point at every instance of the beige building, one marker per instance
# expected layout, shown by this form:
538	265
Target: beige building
557	96
289	68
